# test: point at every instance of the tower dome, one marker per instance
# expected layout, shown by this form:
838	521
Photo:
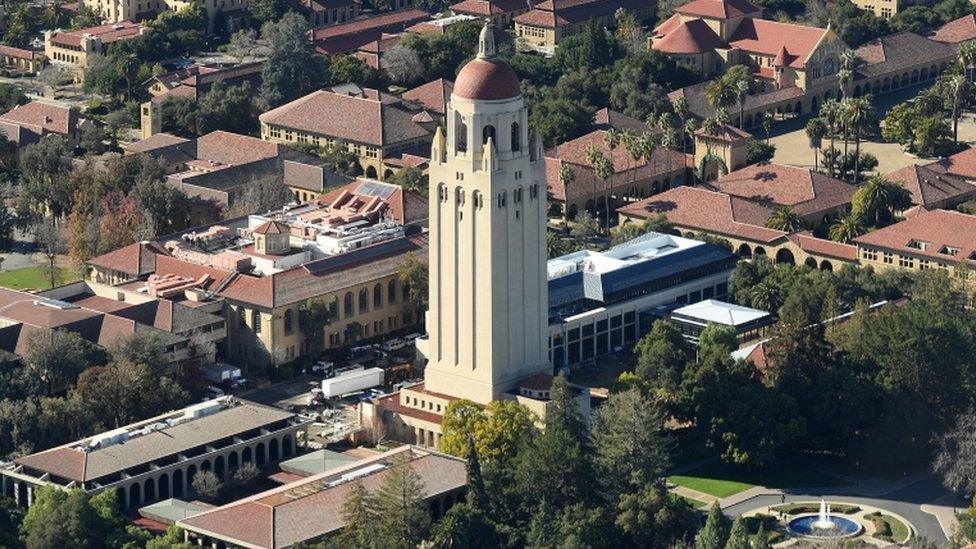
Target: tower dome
486	77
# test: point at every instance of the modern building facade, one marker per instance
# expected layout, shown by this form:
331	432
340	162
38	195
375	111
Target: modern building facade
156	459
600	302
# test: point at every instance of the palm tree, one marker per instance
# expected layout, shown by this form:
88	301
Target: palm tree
680	108
967	58
816	129
603	169
611	138
861	116
847	228
848	62
830	113
785	219
879	199
669	140
766	295
844	78
554	246
566	177
721	93
633	145
740	80
129	67
648	147
956	89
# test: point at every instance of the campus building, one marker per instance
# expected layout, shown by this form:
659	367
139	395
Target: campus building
749	324
28	123
602	301
233	12
157	458
499	13
899	60
885	9
795	66
259	271
194	81
938	239
309	510
383	131
330	12
551	21
487	318
632	179
737	206
24	61
340	38
73	48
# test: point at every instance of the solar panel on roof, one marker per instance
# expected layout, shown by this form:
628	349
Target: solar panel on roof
375	188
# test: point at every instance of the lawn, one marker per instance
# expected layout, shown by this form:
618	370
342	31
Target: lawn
695	504
888	528
35	278
722	480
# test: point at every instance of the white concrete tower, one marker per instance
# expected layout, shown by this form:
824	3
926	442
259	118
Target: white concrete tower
488	300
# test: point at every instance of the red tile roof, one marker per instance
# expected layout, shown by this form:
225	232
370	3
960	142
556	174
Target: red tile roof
44	118
770	37
586	183
938	229
701	209
718	9
557	13
19	53
489	7
806	191
233	149
372	118
346	37
135	259
957	30
432	96
668	25
931	185
690	37
271	227
819	246
962	164
109	33
487	79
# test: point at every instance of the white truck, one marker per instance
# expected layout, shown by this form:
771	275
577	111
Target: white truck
352	381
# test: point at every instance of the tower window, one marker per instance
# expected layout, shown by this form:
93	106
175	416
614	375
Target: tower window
488	133
516	137
462	137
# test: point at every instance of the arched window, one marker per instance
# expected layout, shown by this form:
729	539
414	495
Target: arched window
363	300
488	132
460	134
289	322
334	308
516	137
391	291
347	309
377	296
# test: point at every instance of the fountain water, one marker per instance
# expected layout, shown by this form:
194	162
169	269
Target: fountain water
823	525
823	518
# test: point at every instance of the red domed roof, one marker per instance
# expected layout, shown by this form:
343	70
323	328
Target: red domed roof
487	79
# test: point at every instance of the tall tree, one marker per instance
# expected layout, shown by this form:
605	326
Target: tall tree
413	275
631	449
816	129
879	199
401	517
661	356
955	461
847	228
55	357
715	532
293	69
358	515
739	535
785	219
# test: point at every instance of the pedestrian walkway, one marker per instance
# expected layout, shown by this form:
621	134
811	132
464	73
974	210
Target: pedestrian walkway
707	499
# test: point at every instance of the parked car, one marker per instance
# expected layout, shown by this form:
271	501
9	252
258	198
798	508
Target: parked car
323	367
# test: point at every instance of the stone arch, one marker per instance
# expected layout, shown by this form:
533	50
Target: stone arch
219	468
815	104
178	483
488	132
287	448
924	74
689	234
895	82
516	137
783	255
748	121
259	455
934	71
273	450
232	461
205	465
135	497
828	95
460	133
246	454
191	472
387	174
120	496
371	172
590	206
571	212
744	251
886	84
810	262
905	78
163	490
914	76
826	266
799	108
758	251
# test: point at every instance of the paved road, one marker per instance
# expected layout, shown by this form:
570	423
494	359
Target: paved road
906	502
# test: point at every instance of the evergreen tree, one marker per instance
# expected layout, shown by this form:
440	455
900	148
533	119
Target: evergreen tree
555	467
357	533
739	536
476	495
293	69
631	452
715	532
400	520
662	355
761	539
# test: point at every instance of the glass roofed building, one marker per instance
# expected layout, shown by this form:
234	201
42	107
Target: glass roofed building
600	302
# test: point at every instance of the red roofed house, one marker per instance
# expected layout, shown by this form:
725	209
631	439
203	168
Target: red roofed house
499	12
795	66
381	129
73	47
27	61
549	21
939	239
933	187
633	179
737	206
956	31
330	12
347	37
25	124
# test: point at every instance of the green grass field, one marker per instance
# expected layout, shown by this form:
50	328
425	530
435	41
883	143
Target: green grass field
723	480
35	278
888	528
693	502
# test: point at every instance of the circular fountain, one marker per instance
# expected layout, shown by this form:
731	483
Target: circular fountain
823	525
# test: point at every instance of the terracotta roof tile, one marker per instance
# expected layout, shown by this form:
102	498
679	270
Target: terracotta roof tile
900	51
819	246
938	229
718	9
705	210
770	37
490	7
567	12
432	95
962	164
136	259
44	118
804	190
487	79
932	185
957	30
690	37
346	37
109	33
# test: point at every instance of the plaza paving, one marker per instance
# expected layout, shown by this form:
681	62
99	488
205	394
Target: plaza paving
793	146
